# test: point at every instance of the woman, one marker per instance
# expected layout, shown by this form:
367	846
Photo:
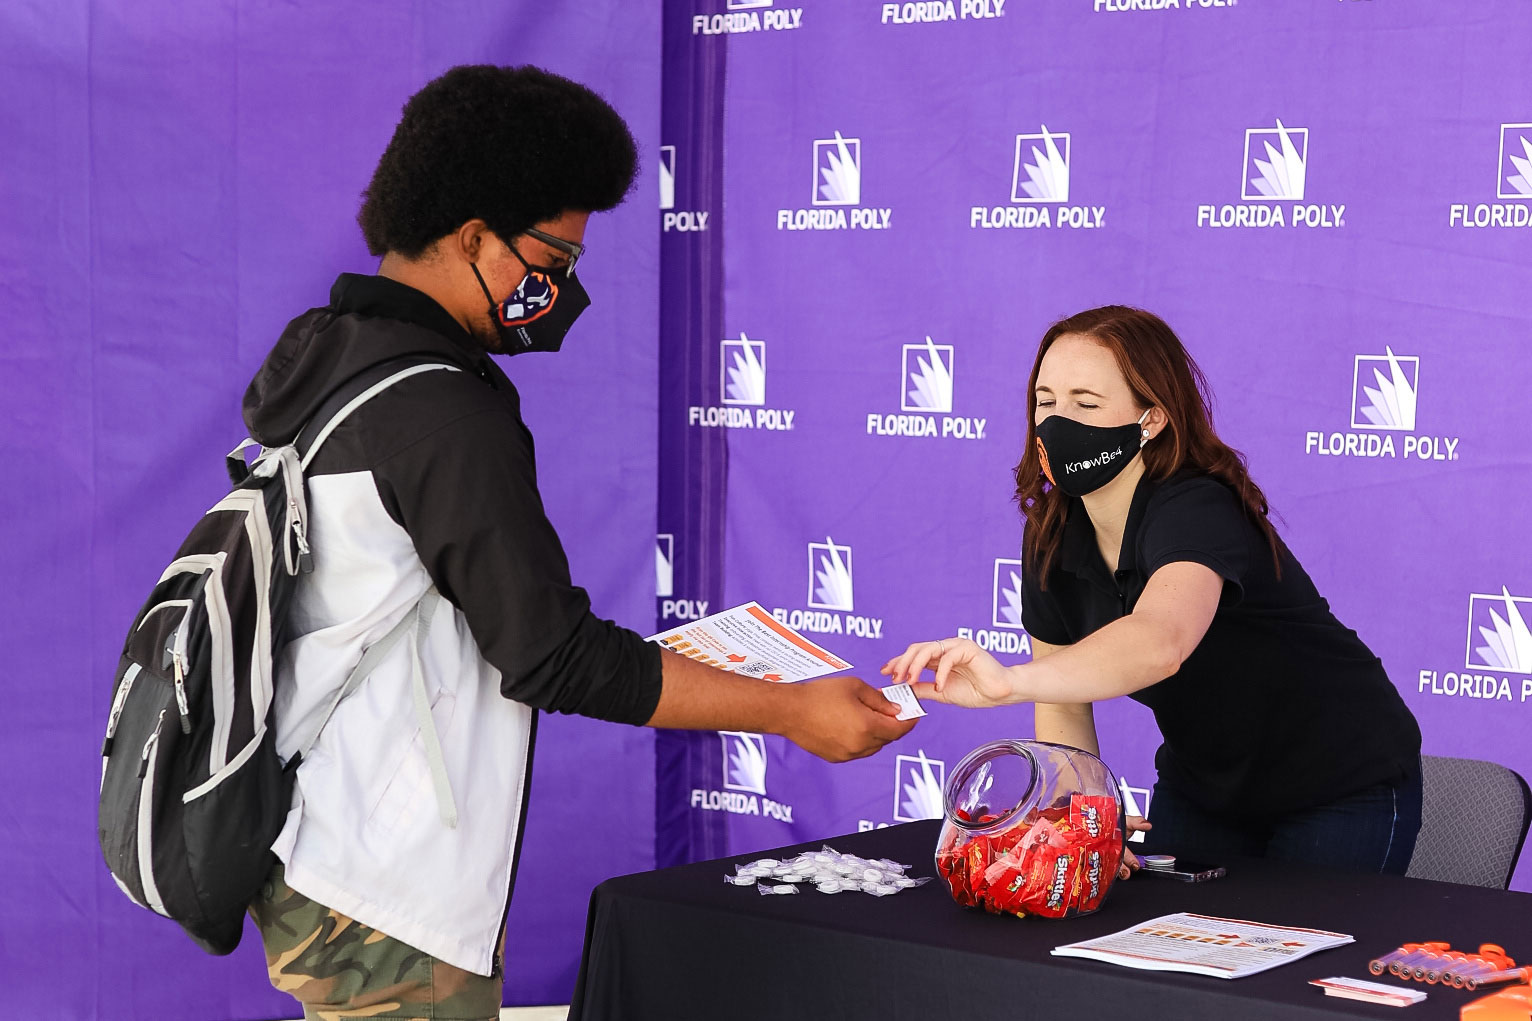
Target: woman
1151	570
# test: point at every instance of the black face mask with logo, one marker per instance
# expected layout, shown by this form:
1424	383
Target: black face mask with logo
1080	458
539	312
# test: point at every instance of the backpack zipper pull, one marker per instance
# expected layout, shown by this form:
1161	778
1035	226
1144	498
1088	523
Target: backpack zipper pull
179	664
305	558
118	701
143	761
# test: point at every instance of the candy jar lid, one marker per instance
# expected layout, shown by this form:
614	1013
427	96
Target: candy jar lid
992	786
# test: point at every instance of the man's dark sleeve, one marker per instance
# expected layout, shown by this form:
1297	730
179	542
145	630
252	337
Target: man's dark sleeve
466	492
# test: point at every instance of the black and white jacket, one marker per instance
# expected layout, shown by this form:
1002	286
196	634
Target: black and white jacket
432	482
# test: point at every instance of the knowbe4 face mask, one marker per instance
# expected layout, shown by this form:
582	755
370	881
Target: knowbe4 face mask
1080	458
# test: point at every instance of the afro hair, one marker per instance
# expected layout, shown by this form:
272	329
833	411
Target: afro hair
513	146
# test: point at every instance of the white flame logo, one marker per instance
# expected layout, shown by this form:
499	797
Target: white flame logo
744	761
667	177
1391	403
1047	174
838	161
1281	174
744	364
833	576
1130	805
664	566
1507	639
932	381
1007	597
1516	146
918	783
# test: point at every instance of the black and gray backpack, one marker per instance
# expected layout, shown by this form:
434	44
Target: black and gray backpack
192	791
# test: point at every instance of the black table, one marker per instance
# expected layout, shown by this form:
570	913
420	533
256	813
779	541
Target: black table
680	943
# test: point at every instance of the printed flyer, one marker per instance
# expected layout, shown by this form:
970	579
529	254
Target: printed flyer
1204	945
747	640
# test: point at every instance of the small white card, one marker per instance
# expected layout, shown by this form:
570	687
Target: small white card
903	696
1369	992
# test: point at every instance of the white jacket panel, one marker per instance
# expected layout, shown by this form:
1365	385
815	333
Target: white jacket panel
365	835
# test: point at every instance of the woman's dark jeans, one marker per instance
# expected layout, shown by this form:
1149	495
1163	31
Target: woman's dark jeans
1372	830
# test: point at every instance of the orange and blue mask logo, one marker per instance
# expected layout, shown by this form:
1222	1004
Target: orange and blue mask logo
534	298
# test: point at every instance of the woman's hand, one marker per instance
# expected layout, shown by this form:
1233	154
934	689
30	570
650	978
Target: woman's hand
966	675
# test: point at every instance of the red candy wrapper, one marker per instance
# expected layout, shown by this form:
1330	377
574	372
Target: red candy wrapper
1052	875
1043	832
1097	816
1062	863
1095	875
1006	888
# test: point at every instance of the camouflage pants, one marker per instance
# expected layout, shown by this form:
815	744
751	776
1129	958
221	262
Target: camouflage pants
340	969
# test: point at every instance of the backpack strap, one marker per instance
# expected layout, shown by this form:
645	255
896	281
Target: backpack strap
234	460
356	391
445	804
417	619
291	460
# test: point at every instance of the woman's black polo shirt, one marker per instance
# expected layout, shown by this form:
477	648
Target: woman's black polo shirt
1281	707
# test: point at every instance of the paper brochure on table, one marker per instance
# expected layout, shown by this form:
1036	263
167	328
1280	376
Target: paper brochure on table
1204	945
748	640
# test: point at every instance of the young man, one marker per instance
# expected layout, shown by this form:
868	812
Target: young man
399	854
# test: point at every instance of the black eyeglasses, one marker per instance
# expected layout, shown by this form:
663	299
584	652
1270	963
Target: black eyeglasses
569	248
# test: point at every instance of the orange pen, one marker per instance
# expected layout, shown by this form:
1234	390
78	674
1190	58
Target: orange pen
1506	975
1378	965
1405	967
1490	958
1442	970
1435	958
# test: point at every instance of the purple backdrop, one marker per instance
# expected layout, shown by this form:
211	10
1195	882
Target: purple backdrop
910	202
179	181
914	191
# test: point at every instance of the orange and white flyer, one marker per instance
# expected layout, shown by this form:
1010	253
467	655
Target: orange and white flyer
1205	945
747	640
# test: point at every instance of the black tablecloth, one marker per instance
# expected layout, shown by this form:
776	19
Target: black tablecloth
680	943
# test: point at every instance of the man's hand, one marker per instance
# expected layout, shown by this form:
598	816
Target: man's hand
841	718
836	718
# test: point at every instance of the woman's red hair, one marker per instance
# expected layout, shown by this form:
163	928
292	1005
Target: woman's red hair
1161	375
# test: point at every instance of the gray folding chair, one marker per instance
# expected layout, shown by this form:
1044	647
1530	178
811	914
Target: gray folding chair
1473	822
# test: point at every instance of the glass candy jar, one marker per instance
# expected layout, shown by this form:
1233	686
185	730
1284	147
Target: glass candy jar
1031	828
